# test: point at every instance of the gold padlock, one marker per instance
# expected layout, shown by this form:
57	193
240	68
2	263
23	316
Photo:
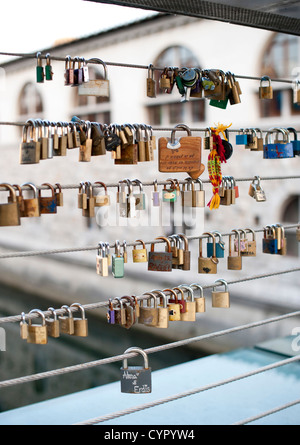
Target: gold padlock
234	262
163	310
80	324
53	328
66	322
221	299
298	233
23	327
10	212
37	333
149	314
174	308
200	301
190	314
140	255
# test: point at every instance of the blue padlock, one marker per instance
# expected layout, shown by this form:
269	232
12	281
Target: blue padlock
295	142
241	138
270	242
279	149
220	246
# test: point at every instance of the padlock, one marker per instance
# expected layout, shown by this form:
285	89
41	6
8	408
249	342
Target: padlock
193	197
234	262
89	211
164	80
124	253
30	150
270	242
221	299
136	379
66	322
102	200
117	262
80	324
243	242
186	263
78	72
67	75
37	333
10	211
163	310
42	138
207	265
139	255
149	314
110	315
53	326
59	195
82	196
141	143
265	91
253	141
102	261
251	245
169	194
97	87
208	143
130	311
260	140
60	140
140	198
197	88
31	205
281	149
219	91
48	204
177	252
39	69
85	71
220	246
190	314
295	142
182	302
151	83
23	327
48	68
200	301
160	261
234	89
127	201
85	149
298	233
155	195
256	191
19	197
181	155
225	192
120	312
281	239
174	308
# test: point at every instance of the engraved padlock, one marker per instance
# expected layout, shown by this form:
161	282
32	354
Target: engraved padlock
102	200
160	261
136	379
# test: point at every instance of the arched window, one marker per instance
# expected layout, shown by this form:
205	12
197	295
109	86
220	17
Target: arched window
167	108
92	108
30	101
291	215
281	59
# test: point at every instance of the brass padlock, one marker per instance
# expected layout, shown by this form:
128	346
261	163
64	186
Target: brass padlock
80	324
200	301
53	327
139	255
37	333
163	310
207	265
298	233
82	196
174	308
190	314
251	245
10	212
89	212
48	204
102	200
282	241
66	323
59	195
186	254
31	205
149	314
30	147
265	91
234	262
120	312
221	299
23	327
151	83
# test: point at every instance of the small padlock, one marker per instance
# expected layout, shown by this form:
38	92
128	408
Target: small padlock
120	312
234	262
140	198
31	205
160	261
130	312
68	78
186	254
59	195
136	379
48	68
117	262
200	301
251	245
80	324
208	140
39	69
30	150
139	255
37	333
169	194
207	265
270	242
102	261
53	326
182	301
221	299
110	315
23	327
10	211
89	211
155	195
190	314
282	241
151	83
66	322
220	246
102	200
265	91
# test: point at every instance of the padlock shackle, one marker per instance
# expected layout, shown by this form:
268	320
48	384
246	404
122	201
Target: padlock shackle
54	312
189	289
173	293
138	351
140	241
197	286
80	308
151	296
161	295
223	282
38	311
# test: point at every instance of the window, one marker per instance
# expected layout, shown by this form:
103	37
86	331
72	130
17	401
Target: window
291	215
272	107
168	108
281	57
30	101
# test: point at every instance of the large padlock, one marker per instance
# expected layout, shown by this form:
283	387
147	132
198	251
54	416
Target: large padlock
10	211
80	324
181	155
270	242
139	255
200	301
221	299
136	379
265	88
48	204
190	313
149	314
96	87
37	333
279	149
31	205
207	265
160	261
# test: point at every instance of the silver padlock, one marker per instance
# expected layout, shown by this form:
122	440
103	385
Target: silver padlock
136	379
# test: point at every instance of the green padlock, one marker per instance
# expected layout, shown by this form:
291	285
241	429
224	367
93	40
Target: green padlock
39	69
48	68
117	264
